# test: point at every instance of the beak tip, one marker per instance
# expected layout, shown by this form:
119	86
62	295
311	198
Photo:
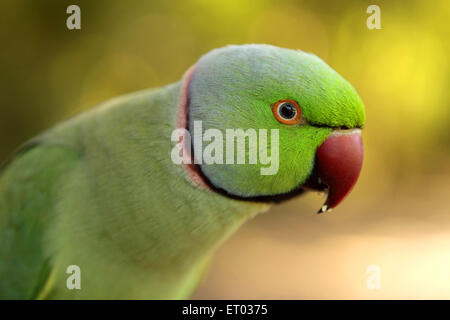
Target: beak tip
325	209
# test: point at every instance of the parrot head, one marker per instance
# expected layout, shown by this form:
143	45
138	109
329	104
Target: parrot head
316	114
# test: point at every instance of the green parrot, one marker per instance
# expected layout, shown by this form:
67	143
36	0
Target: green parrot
105	191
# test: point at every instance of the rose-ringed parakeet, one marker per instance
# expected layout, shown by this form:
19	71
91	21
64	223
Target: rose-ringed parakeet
102	192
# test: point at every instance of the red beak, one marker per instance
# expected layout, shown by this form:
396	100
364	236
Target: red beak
338	164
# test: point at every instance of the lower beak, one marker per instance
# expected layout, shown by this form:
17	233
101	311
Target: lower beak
338	164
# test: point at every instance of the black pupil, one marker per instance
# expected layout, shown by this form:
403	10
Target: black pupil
287	111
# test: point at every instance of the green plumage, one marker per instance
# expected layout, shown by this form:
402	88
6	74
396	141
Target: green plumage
28	188
100	191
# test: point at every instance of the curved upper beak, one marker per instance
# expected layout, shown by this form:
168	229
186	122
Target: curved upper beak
338	164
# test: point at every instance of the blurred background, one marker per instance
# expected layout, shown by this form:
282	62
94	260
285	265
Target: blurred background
398	216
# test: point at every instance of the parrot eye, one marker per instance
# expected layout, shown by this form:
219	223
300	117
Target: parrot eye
286	111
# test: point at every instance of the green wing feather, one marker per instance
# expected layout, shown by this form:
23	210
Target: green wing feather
27	186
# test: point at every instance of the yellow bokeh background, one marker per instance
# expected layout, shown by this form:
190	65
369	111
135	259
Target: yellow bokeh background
397	217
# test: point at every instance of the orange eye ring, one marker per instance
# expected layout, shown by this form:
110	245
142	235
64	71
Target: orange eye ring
287	111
